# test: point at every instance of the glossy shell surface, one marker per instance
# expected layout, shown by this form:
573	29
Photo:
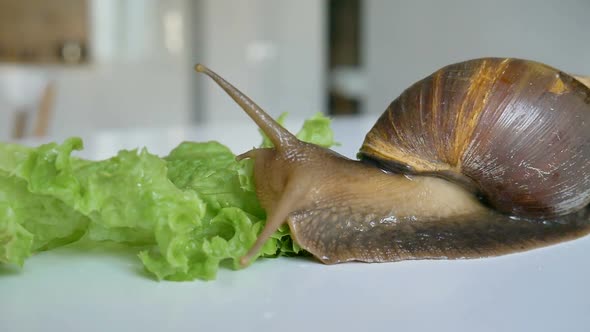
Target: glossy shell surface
518	131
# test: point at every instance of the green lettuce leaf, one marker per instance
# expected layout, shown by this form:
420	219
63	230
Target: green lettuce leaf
186	213
316	130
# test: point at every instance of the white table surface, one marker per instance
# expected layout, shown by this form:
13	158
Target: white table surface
97	290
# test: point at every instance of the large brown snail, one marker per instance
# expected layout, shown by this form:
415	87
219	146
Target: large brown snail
482	158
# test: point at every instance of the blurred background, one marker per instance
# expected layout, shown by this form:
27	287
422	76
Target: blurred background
73	67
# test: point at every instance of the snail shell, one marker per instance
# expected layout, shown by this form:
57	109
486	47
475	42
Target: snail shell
516	131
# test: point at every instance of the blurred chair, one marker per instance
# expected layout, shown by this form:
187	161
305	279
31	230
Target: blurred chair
26	97
33	119
45	107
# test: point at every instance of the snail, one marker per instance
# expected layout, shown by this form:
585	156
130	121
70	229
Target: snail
482	158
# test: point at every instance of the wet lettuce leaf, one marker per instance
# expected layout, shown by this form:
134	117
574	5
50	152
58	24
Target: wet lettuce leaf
185	213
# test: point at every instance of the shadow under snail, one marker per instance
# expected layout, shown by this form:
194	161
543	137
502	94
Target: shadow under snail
482	158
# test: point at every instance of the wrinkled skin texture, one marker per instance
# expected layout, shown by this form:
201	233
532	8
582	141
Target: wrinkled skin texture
350	211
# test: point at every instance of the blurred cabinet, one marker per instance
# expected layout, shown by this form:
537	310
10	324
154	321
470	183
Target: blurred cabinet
42	32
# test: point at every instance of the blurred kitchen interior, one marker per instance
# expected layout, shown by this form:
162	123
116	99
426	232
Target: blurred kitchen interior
72	67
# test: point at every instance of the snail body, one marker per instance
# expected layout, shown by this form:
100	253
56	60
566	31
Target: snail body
482	158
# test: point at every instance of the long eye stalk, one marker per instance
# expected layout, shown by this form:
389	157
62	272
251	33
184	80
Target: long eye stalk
279	136
283	141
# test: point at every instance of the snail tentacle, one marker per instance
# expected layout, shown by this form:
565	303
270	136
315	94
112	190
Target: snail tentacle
278	135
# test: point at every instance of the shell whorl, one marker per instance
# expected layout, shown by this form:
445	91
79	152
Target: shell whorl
518	131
